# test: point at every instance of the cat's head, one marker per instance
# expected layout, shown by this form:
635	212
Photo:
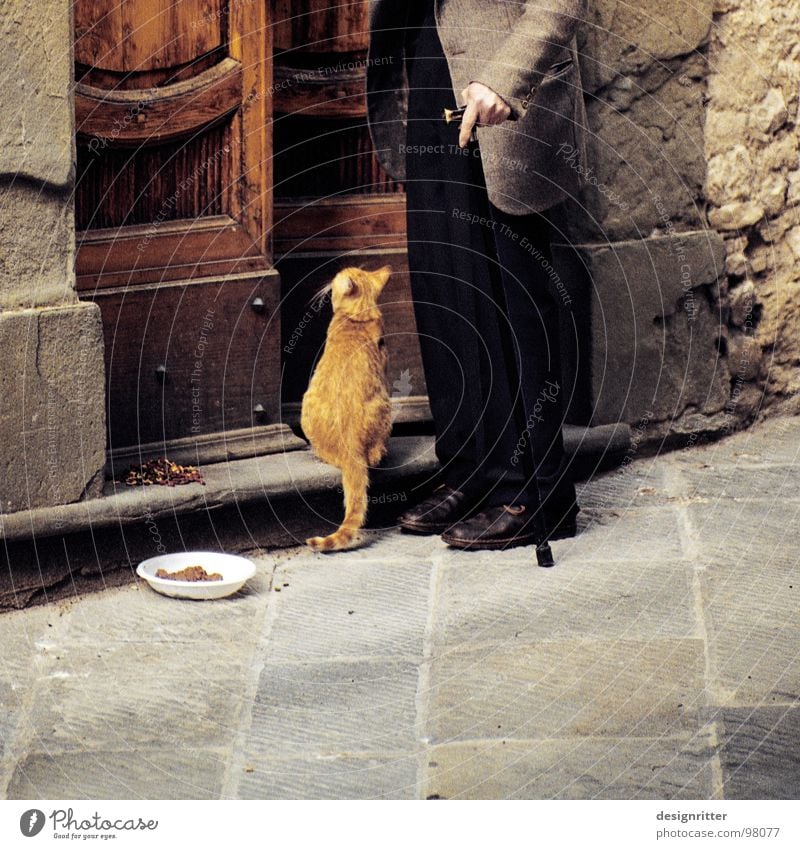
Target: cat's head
355	292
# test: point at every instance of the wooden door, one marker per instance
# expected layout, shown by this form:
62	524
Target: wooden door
334	204
174	212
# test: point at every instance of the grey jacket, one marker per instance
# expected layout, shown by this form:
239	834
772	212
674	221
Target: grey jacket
525	50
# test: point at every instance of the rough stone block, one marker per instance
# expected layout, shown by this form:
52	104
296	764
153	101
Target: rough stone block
37	247
743	301
730	176
586	688
770	114
37	132
645	152
571	769
628	38
53	413
736	215
654	329
745	354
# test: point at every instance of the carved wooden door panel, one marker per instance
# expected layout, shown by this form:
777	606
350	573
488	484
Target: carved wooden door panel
174	212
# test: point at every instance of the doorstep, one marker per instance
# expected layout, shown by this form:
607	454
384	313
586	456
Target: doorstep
260	504
259	479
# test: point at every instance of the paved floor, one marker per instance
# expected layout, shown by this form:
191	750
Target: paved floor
659	659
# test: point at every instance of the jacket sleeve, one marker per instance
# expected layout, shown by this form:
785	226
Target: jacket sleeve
537	41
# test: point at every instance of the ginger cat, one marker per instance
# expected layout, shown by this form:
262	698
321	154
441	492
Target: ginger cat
346	412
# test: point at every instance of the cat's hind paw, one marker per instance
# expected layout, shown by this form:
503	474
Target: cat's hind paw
342	540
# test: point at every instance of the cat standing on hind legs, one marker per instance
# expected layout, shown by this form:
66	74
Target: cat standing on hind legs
346	411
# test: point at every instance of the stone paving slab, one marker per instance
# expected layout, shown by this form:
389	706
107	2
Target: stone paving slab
742	480
137	614
760	752
623	534
588	768
642	484
751	590
127	695
11	703
615	535
755	664
19	661
376	777
757	535
603	600
181	773
752	616
325	709
770	441
613	688
350	607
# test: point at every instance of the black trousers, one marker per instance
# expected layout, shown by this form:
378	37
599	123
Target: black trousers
485	312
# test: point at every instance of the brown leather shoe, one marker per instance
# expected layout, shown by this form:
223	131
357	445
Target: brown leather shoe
506	527
496	527
437	513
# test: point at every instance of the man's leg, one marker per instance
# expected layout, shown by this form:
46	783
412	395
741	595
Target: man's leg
533	307
445	275
525	451
484	325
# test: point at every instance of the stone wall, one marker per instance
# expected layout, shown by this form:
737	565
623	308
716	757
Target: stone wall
687	237
753	187
36	154
52	385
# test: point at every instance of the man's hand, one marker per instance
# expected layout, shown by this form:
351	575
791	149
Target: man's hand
484	107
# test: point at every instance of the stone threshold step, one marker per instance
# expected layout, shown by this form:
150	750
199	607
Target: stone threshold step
261	479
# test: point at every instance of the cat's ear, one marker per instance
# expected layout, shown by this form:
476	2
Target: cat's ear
348	286
382	276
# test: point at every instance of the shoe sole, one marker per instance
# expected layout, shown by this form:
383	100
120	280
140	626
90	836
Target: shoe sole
424	530
561	532
487	545
432	530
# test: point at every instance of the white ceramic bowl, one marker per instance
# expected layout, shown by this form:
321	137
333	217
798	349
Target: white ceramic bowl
235	571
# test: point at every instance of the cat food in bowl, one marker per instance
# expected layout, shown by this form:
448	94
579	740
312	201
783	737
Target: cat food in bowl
196	574
190	573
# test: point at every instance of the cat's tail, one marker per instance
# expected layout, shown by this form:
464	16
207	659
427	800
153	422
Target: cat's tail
355	480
